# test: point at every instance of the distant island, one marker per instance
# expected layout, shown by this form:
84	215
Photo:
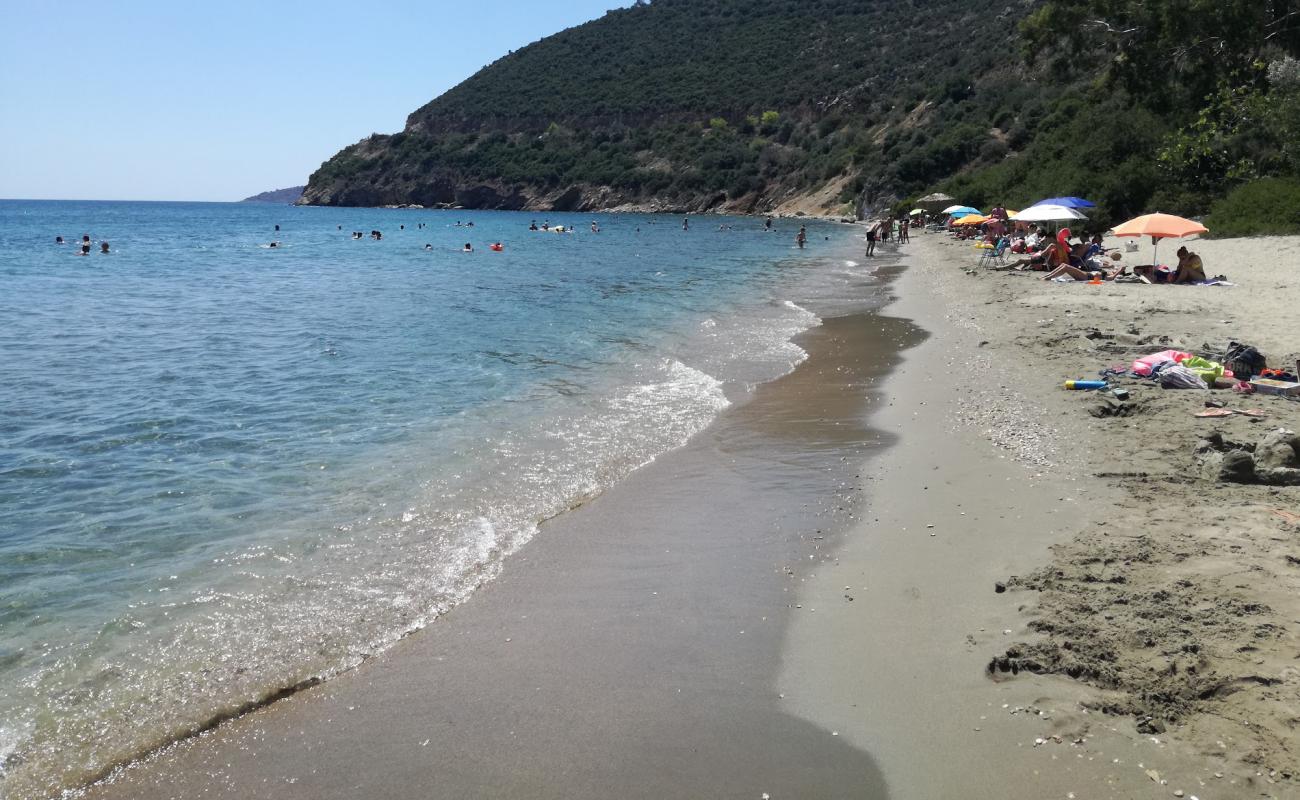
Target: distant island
287	196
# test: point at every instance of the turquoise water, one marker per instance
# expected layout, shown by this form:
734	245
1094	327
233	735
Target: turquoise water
226	468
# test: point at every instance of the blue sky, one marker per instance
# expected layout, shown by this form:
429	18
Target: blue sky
216	101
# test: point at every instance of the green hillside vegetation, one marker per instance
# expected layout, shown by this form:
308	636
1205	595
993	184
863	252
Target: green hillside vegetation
1174	105
706	101
746	104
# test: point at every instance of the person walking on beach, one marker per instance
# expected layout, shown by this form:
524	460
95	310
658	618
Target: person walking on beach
802	237
904	226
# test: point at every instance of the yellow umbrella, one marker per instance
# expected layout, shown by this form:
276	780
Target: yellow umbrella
973	219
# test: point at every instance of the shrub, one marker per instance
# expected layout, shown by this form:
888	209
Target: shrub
1266	206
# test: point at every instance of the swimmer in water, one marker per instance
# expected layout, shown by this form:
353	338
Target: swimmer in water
85	250
277	227
273	244
103	248
594	227
686	224
469	248
428	247
58	240
801	237
533	225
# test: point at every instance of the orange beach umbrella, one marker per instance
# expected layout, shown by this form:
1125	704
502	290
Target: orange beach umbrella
972	219
1159	226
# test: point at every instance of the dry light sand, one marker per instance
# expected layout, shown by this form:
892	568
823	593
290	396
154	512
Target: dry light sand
1172	599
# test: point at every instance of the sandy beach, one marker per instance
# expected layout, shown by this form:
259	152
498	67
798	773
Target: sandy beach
1091	545
823	595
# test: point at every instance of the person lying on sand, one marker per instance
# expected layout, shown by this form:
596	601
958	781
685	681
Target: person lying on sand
1190	269
1068	271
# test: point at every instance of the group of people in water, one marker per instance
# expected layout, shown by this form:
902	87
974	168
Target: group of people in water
84	247
801	238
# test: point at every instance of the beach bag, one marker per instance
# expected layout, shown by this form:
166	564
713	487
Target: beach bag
1244	361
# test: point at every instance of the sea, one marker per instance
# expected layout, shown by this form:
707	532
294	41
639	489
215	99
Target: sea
229	469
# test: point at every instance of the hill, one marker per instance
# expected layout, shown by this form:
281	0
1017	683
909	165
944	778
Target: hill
290	195
828	105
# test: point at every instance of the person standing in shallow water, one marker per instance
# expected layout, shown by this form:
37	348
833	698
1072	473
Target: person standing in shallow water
802	237
686	223
873	233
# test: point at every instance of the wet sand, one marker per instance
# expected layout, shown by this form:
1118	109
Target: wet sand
631	650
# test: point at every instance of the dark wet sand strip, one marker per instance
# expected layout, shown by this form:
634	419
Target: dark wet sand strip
631	650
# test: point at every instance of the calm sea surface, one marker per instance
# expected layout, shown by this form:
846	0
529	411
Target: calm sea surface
226	469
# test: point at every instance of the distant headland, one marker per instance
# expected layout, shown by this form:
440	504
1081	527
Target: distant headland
288	196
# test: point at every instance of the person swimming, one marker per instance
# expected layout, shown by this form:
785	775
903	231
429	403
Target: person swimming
273	244
594	227
468	248
58	240
277	228
428	246
533	225
103	248
85	250
686	223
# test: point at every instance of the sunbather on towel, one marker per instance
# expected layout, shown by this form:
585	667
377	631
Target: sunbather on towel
1068	271
1189	270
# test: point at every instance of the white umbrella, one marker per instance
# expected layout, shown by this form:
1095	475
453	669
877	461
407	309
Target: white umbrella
1047	214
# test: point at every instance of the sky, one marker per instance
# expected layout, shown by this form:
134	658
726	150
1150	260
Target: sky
181	100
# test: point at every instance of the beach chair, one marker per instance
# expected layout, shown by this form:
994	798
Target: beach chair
996	255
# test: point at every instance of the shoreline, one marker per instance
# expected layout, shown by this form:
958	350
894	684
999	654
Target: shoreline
692	480
873	673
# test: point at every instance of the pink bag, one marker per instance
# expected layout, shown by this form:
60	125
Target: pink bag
1144	365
